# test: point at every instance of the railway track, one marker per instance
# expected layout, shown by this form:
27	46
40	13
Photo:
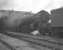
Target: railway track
41	41
8	47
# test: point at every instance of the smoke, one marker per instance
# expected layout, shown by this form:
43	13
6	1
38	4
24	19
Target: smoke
54	4
5	4
29	5
20	5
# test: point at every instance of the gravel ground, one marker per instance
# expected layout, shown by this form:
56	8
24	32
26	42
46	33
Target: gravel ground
18	44
3	47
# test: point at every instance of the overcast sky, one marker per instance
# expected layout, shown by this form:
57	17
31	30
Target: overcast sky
30	5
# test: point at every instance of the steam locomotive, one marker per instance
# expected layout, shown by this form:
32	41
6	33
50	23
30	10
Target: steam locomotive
57	22
40	22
